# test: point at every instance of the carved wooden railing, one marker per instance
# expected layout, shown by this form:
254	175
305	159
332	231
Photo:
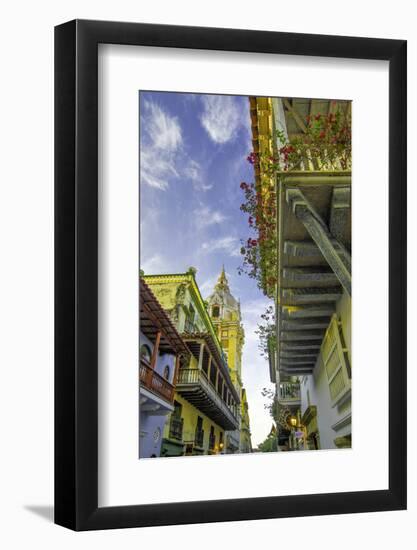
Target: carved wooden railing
155	383
197	376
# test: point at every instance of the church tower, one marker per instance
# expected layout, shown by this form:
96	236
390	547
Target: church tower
224	311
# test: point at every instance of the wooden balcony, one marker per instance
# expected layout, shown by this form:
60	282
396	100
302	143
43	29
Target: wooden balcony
289	394
196	388
155	383
176	426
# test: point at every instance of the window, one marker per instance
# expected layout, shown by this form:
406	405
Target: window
189	321
212	438
191	314
166	372
215	311
177	409
335	361
145	353
225	343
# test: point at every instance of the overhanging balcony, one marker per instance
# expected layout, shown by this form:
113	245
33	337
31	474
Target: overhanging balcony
196	388
289	394
155	383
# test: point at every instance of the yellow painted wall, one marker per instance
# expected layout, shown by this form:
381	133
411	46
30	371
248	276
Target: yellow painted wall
232	345
190	413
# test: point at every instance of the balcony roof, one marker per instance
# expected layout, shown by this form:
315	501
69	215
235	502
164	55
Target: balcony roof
154	319
218	358
314	242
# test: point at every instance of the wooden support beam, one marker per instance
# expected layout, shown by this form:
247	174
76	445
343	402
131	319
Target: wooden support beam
320	234
296	362
301	335
298	354
306	324
296	372
296	346
303	312
295	296
302	249
310	275
340	211
296	115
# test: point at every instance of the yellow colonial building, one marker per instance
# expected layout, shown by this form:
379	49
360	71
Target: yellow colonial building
225	313
206	401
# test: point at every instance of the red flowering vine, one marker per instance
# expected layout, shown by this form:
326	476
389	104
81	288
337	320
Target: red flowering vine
325	145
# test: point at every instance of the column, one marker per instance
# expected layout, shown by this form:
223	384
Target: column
200	357
155	350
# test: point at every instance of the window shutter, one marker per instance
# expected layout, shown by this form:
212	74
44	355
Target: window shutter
336	363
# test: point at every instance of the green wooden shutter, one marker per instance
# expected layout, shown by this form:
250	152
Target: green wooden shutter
335	363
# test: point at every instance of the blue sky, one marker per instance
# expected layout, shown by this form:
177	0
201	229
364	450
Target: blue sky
193	151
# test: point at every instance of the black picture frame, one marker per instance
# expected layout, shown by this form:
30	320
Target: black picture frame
76	272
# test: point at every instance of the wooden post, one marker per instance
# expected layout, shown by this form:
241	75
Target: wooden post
155	350
209	367
176	371
200	357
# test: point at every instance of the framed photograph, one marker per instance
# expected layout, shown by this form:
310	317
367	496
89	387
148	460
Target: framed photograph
230	337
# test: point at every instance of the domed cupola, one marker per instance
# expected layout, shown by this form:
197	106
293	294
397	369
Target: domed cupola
222	305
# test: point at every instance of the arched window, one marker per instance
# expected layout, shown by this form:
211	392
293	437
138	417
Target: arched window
166	372
215	311
145	352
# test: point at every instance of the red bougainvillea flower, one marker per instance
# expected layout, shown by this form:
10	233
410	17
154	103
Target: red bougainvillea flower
317	117
252	158
322	134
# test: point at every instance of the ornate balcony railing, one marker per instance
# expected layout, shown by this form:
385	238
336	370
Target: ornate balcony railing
155	383
176	425
199	438
195	386
289	393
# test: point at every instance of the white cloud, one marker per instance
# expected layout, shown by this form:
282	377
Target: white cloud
230	245
194	173
160	143
207	286
221	117
205	216
153	264
162	153
164	130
